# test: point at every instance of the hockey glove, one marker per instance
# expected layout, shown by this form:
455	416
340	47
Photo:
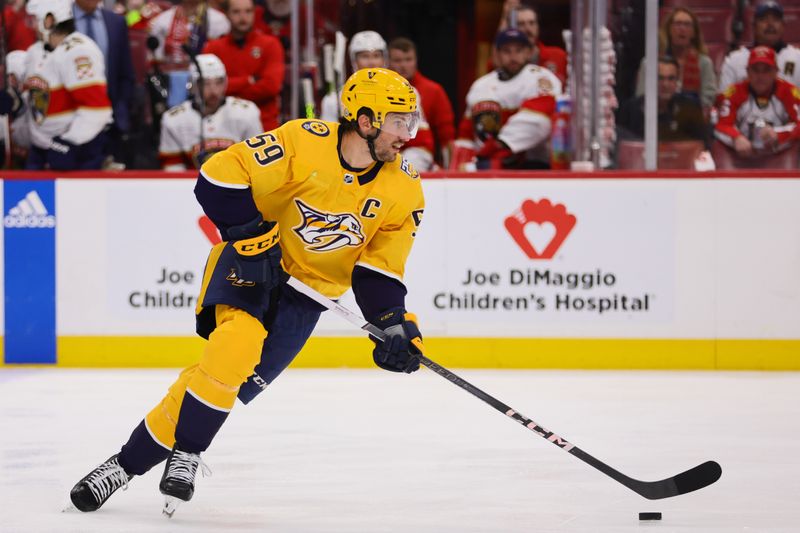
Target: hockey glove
62	155
486	119
463	156
10	102
492	154
258	252
398	352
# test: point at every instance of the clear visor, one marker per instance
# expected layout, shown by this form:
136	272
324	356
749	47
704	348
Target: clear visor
402	124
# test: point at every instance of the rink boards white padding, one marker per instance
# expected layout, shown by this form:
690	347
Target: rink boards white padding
551	271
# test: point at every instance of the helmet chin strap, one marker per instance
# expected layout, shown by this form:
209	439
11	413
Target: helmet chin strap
371	143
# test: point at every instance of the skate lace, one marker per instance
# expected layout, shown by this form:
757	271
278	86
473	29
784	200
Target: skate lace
183	466
107	478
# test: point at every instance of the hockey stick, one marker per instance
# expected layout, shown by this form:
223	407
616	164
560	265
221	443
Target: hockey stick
308	96
693	479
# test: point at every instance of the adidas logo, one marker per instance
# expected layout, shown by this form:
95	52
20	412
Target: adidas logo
30	212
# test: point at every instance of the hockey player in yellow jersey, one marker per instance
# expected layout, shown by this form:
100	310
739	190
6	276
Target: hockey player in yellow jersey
329	203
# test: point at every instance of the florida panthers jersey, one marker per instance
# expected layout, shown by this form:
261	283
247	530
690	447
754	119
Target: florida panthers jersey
734	69
332	218
526	102
67	94
180	148
739	112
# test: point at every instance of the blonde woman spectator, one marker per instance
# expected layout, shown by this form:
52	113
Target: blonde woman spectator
680	37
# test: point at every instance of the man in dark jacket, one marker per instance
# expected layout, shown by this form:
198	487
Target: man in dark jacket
110	32
680	117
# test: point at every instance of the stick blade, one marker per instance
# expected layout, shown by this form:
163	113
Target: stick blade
698	477
693	479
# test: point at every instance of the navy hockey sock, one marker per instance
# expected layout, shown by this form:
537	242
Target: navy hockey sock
141	452
198	423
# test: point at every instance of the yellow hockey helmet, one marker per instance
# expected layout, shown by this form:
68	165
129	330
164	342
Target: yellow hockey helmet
392	100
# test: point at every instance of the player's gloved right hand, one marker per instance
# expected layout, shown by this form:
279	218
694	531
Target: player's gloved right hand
398	352
463	156
62	155
258	251
492	154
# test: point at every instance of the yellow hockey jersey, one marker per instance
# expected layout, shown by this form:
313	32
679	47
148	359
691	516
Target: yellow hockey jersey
332	218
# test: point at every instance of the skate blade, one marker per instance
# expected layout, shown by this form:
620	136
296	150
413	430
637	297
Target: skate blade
171	503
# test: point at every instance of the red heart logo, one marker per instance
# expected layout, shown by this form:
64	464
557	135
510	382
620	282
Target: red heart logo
551	223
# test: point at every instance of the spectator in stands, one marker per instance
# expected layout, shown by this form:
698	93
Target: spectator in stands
759	116
507	119
767	31
110	32
552	58
273	17
433	99
225	120
17	33
680	37
190	23
253	60
680	117
139	13
367	50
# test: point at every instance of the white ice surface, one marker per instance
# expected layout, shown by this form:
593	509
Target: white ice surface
371	451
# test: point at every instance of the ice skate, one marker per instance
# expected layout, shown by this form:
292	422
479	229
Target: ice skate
177	483
91	492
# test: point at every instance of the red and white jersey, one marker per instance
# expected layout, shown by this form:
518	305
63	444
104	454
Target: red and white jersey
173	27
19	65
234	121
739	112
734	69
527	101
67	95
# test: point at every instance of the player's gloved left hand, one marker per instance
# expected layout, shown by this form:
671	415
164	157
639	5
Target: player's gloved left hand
62	155
10	102
258	252
398	353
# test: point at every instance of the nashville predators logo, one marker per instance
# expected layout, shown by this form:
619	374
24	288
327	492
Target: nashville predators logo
323	232
316	127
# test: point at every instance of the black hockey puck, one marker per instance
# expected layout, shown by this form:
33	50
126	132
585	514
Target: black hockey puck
649	516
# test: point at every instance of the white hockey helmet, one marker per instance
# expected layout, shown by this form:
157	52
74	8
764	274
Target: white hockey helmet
15	64
60	10
211	67
366	41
